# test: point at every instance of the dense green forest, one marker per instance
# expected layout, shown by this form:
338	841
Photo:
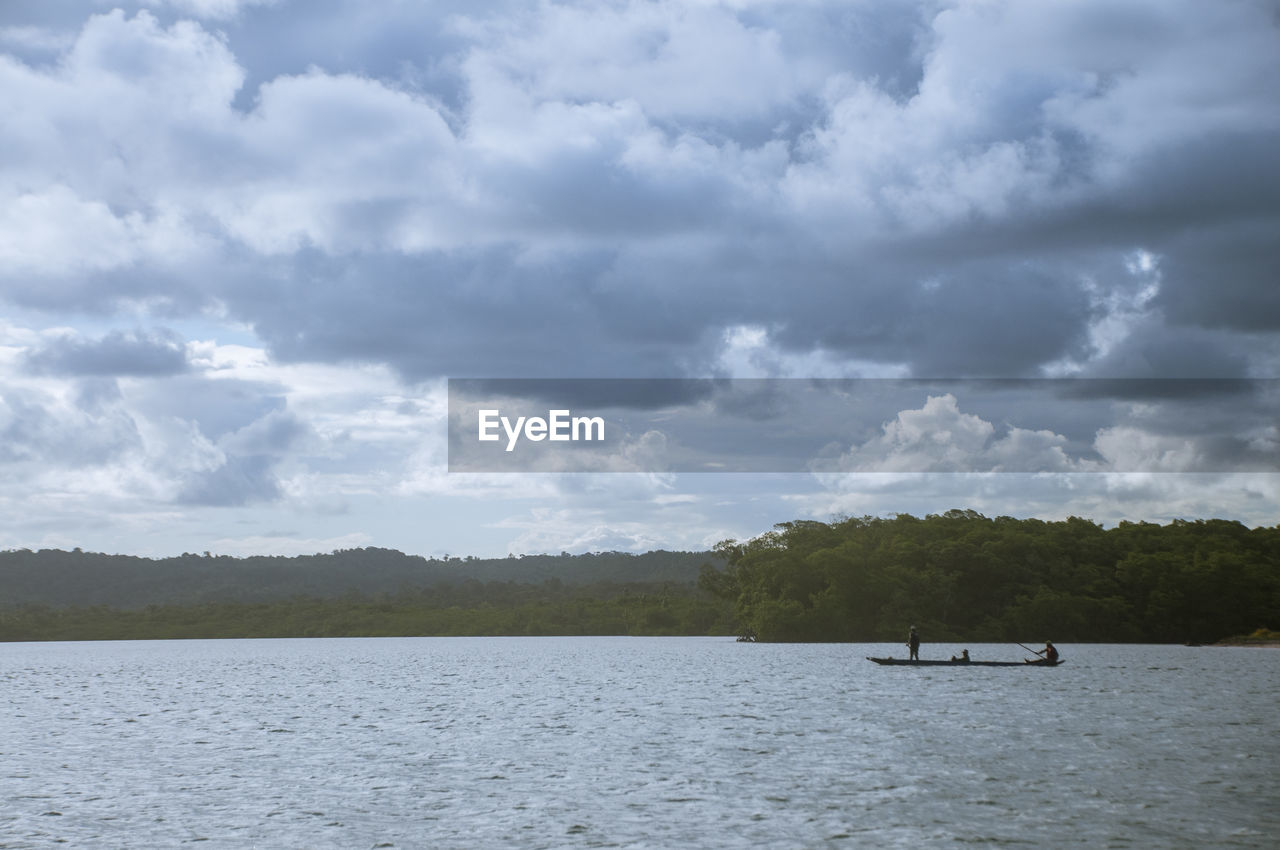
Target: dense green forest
957	576
963	576
56	595
471	608
58	579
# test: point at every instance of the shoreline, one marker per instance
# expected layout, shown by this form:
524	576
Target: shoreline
1265	644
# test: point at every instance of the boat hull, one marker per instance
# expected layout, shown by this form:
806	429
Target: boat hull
906	662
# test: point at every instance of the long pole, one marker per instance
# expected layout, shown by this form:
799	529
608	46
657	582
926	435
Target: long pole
1029	649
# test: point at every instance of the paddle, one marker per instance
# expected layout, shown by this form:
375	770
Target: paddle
1029	649
1038	652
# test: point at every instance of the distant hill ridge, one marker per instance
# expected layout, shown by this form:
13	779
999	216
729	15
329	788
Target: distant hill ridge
58	578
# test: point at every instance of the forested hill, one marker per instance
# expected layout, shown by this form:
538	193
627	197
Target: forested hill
963	576
956	576
56	578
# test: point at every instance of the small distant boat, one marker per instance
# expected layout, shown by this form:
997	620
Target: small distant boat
907	662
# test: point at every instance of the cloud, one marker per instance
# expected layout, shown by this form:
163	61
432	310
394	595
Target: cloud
139	353
250	457
1107	498
215	9
949	205
1224	278
938	437
390	193
1133	448
236	481
584	529
285	545
1160	435
34	39
55	233
645	54
131	418
84	424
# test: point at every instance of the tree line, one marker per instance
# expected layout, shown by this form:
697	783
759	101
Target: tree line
958	576
58	578
471	608
964	576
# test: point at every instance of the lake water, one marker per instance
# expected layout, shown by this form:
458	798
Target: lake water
631	742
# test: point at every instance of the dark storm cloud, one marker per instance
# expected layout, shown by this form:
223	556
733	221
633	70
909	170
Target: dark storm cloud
136	353
630	189
1160	388
478	315
1227	277
609	191
1156	350
623	393
991	319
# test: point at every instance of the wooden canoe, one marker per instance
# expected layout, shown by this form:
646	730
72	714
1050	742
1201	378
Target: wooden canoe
906	662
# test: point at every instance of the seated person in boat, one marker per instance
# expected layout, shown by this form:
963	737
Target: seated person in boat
963	657
1050	653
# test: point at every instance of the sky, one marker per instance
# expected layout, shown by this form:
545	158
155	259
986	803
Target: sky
244	245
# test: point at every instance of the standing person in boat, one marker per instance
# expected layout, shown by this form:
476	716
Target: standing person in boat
913	643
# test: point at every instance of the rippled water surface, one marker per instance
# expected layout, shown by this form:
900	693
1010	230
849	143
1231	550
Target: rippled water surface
631	742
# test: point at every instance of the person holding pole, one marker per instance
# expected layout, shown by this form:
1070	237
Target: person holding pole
913	643
1050	653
